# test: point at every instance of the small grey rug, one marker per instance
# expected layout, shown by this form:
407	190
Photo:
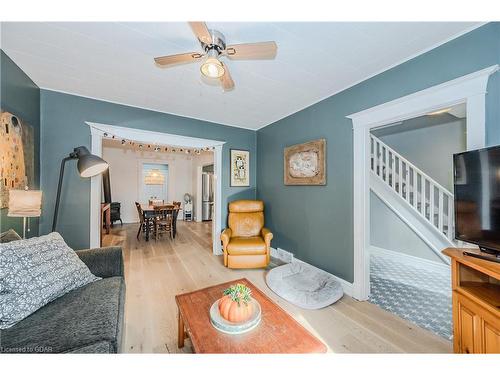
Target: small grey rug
304	285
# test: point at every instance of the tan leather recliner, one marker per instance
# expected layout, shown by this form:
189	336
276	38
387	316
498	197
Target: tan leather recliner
246	243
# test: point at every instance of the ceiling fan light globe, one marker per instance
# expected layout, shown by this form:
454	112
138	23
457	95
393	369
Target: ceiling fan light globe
212	68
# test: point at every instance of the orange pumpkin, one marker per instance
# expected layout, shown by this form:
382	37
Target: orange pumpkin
233	311
235	305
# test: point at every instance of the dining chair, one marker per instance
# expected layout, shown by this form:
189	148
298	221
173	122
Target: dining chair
163	220
175	214
141	218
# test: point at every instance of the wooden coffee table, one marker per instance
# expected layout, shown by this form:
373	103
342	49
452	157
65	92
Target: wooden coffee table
277	332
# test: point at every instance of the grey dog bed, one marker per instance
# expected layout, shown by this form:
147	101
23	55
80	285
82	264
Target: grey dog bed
304	285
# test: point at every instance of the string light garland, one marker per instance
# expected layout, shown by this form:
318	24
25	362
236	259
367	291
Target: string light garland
156	147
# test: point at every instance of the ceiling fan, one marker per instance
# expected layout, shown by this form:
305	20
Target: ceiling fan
213	44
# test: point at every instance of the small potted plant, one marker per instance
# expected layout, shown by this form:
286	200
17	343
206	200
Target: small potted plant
235	305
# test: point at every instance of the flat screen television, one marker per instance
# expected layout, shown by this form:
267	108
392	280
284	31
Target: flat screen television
477	198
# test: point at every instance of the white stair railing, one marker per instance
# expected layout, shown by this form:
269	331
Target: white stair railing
427	197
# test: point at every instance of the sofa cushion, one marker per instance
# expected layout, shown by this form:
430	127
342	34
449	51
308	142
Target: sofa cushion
246	246
8	236
36	271
81	318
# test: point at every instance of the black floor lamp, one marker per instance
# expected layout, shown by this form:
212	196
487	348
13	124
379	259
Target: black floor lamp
88	166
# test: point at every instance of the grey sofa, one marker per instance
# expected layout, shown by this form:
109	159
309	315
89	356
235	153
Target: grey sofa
86	320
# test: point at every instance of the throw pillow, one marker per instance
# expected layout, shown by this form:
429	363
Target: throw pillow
36	271
10	235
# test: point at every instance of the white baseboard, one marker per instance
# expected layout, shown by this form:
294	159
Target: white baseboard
410	260
283	255
288	257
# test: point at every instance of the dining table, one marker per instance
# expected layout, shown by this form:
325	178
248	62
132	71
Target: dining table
150	210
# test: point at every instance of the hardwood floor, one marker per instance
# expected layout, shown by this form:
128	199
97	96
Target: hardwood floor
156	271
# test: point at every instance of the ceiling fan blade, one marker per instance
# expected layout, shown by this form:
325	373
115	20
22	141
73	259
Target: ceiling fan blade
200	29
226	80
248	51
181	58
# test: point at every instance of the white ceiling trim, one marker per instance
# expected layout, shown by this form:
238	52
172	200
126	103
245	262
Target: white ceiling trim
145	108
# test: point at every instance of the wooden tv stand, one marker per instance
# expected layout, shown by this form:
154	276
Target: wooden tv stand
476	303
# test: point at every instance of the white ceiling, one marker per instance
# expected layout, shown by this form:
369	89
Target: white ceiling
114	62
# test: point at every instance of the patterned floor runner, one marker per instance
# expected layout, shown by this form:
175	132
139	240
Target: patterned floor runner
418	295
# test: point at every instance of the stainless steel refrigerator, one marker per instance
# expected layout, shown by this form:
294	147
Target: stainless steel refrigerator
207	196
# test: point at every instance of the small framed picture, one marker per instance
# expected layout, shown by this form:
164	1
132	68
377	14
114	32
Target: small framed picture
240	168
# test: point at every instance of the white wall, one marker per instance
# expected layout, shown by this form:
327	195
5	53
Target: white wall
125	169
431	148
389	232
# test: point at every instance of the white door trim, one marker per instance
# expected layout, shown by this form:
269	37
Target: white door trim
98	132
469	89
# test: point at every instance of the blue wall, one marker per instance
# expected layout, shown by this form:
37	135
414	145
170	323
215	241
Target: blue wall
313	222
20	96
63	119
316	222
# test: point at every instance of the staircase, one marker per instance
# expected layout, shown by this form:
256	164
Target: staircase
421	202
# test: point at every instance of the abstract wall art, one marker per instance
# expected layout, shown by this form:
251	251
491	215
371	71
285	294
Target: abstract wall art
305	163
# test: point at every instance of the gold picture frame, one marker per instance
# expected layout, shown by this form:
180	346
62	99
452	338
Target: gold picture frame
305	163
17	155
